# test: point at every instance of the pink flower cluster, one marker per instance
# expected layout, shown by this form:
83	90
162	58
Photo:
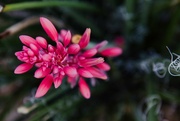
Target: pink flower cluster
64	59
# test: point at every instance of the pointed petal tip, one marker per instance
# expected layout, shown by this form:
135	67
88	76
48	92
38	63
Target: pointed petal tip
41	17
37	95
101	45
84	41
67	38
104	78
84	73
27	40
56	86
84	89
58	82
23	68
73	48
44	86
111	52
40	72
90	52
49	28
42	42
87	96
88	31
22	36
98	73
72	81
91	62
104	66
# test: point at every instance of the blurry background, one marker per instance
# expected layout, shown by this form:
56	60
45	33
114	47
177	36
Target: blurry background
139	87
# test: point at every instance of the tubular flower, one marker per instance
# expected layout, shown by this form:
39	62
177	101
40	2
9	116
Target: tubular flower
65	59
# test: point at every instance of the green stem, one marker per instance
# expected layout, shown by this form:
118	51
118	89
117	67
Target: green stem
172	26
40	4
129	24
151	116
130	10
145	12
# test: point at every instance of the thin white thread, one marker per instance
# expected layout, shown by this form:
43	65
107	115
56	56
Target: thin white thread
159	69
145	66
150	103
175	64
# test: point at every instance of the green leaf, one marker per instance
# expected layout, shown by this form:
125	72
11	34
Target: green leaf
40	4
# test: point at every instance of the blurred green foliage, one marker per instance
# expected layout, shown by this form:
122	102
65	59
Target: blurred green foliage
134	92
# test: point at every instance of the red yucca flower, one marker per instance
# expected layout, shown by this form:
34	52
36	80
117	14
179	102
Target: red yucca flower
65	59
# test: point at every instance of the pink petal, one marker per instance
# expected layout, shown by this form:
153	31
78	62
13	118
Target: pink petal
97	73
104	66
111	52
73	49
85	38
42	42
60	47
72	81
58	81
67	38
39	64
56	69
30	52
19	53
34	48
50	48
23	68
27	40
90	52
49	28
70	71
47	57
91	62
84	88
44	86
85	73
62	34
101	45
40	73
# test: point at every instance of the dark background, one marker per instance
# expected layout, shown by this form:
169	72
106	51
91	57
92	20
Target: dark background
132	92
